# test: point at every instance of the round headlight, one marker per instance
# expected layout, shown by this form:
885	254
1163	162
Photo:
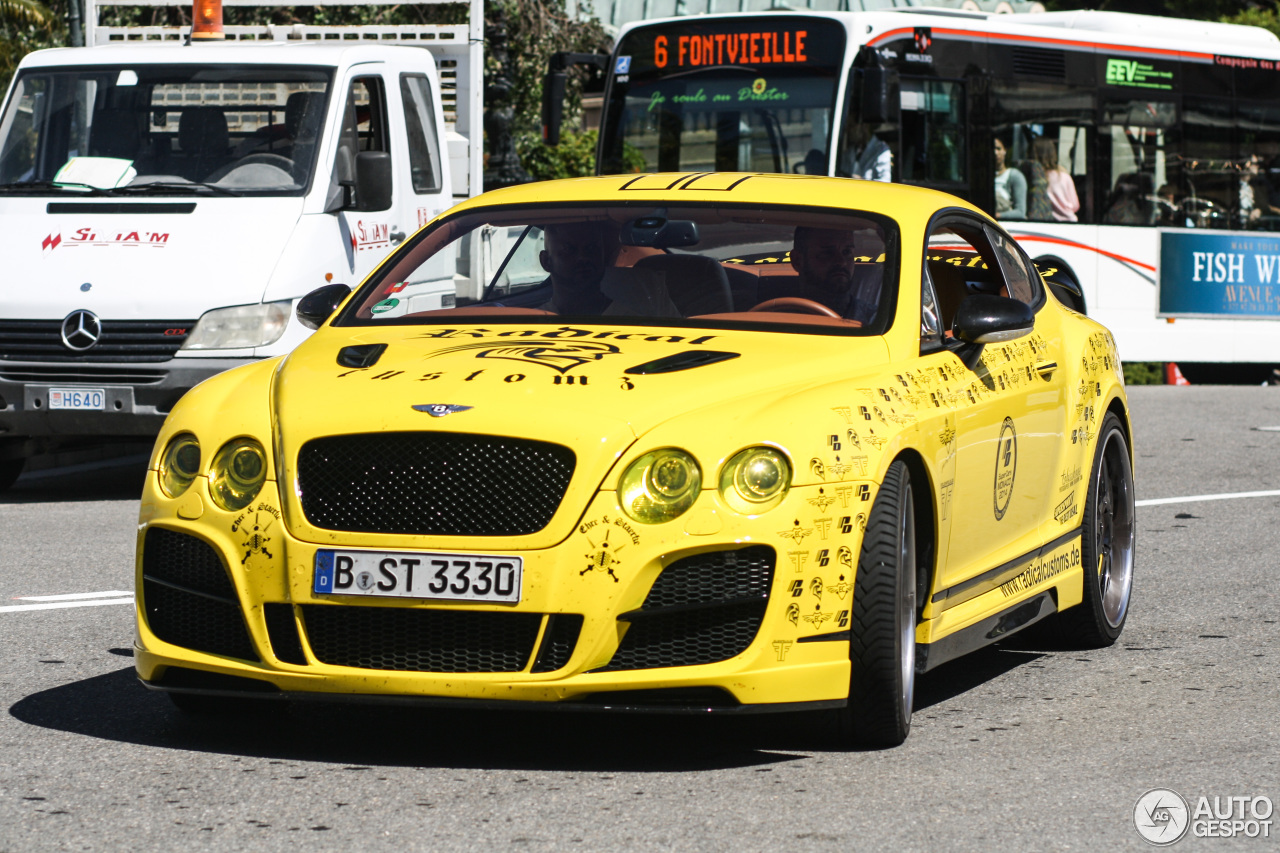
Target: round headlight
659	486
180	464
238	472
755	480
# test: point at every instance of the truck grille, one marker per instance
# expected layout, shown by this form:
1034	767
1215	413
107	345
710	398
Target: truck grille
404	640
121	340
432	483
701	609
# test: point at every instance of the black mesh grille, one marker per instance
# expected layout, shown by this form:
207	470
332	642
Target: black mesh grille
188	598
121	340
695	612
421	640
709	578
432	484
282	629
1038	62
558	642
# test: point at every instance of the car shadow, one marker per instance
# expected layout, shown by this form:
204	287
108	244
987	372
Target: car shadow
116	707
107	480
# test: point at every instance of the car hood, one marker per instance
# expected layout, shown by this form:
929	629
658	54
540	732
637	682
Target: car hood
170	258
593	389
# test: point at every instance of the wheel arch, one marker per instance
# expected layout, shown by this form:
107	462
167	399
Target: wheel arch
1064	284
926	523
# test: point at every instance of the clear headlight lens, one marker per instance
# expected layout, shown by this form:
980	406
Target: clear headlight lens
755	480
238	472
240	327
179	465
659	486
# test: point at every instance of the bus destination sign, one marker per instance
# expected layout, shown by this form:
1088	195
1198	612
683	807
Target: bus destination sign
746	48
791	43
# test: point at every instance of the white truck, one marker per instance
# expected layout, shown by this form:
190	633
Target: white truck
165	202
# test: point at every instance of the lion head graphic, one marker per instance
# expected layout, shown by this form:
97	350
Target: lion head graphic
559	356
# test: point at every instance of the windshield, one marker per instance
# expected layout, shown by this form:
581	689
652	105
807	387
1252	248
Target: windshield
714	266
729	95
164	129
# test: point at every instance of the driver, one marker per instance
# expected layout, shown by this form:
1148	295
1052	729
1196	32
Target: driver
826	259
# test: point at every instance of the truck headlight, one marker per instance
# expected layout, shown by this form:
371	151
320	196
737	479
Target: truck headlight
239	469
659	486
240	326
755	480
179	464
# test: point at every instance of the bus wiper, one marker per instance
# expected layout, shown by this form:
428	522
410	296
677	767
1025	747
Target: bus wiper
171	186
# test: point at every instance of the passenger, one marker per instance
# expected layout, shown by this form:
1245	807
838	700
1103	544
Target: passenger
826	260
1171	213
1011	188
1063	200
579	260
1254	195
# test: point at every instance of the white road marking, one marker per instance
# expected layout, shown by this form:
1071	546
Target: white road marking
75	596
1197	498
61	602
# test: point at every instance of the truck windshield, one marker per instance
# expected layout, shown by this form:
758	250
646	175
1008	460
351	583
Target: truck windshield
164	129
736	94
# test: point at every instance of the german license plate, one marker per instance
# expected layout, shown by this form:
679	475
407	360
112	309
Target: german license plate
76	398
399	574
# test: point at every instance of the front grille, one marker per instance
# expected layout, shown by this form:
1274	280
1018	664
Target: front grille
81	373
700	610
282	631
121	340
188	597
404	640
432	483
558	642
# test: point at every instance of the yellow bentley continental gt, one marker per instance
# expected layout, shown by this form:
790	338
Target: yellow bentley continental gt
679	442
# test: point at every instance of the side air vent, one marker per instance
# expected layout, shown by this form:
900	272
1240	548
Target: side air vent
1038	62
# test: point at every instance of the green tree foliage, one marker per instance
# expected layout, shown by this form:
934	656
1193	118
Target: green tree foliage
27	25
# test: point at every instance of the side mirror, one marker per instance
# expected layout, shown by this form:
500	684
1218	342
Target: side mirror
318	305
881	101
553	89
373	180
984	319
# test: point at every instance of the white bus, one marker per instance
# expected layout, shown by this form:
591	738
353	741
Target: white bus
1167	132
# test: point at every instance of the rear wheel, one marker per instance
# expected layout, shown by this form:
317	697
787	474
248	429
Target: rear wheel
882	643
1107	544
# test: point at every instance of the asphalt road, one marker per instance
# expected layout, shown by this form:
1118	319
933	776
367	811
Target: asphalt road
1015	748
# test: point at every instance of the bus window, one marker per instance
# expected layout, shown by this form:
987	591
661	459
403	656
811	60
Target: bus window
1043	123
725	95
933	132
1136	141
1258	127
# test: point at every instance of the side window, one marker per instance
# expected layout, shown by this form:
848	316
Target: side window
933	133
964	259
930	321
1020	280
1045	131
1136	139
420	124
364	126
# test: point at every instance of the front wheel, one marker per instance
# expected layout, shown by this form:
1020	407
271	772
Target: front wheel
10	470
1107	544
882	642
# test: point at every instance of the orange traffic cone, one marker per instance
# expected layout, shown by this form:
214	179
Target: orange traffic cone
1173	376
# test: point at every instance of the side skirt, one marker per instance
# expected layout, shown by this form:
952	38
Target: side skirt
990	630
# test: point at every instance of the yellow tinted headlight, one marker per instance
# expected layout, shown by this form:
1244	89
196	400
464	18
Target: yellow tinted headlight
238	472
755	480
179	465
659	486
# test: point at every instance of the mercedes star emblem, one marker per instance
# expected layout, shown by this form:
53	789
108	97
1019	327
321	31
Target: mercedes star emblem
81	330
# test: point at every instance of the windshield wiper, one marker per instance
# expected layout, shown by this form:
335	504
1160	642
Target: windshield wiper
170	186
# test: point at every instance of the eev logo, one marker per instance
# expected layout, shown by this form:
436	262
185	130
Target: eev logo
1121	71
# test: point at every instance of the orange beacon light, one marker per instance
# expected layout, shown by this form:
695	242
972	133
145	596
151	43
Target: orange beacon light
206	20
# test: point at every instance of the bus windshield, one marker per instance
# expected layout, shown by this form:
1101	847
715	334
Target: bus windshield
732	94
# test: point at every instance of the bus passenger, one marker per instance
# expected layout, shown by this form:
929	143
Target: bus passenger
868	156
1063	201
1254	196
827	261
1011	188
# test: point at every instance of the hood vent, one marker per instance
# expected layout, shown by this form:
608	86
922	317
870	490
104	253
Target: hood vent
680	361
365	355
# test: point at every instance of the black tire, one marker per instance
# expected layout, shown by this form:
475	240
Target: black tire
882	642
1106	545
10	470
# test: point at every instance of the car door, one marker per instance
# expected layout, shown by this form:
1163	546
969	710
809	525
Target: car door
1009	406
366	125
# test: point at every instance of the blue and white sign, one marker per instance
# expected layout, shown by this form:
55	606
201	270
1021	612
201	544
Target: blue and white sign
1219	274
623	65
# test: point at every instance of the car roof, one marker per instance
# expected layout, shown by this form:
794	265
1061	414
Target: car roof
900	202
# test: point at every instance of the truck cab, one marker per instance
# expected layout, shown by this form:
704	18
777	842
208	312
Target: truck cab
165	205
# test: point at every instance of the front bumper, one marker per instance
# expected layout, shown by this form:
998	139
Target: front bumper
137	395
275	637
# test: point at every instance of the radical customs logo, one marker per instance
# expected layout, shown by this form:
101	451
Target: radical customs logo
560	357
1006	467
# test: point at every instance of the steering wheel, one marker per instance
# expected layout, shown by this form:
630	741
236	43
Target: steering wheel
262	158
796	305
